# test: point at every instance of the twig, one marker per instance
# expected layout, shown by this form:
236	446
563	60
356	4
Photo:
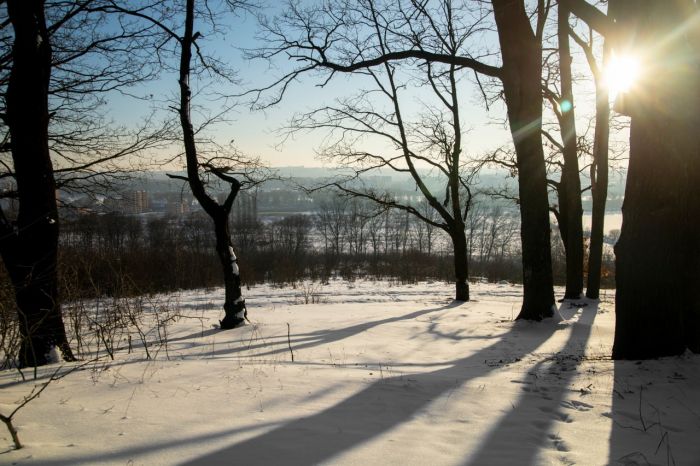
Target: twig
289	341
36	391
641	417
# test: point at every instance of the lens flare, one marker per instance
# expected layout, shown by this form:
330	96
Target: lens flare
565	106
621	74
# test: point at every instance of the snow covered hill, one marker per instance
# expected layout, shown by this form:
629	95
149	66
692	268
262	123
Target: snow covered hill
381	374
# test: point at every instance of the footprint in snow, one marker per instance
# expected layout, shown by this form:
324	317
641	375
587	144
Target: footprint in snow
558	442
577	405
562	417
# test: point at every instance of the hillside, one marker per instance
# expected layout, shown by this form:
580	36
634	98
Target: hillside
381	374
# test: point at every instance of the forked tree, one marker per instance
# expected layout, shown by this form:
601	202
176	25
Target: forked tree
234	304
177	26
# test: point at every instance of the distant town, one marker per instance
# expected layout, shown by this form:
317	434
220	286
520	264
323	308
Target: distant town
154	193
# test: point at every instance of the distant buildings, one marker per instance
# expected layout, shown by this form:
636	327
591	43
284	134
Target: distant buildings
178	207
130	202
137	202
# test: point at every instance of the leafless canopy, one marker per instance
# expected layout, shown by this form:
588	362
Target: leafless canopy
414	59
96	56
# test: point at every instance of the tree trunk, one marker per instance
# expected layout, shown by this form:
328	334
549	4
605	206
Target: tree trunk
29	247
522	73
570	192
234	304
658	274
599	184
459	243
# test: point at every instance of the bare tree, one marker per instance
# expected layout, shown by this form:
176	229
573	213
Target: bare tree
569	186
229	168
290	235
234	304
54	137
433	140
356	226
424	32
425	232
94	58
474	221
330	220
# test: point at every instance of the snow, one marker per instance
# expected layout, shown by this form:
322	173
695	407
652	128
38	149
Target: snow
234	264
382	374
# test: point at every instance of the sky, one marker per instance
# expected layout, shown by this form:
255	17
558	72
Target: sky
261	133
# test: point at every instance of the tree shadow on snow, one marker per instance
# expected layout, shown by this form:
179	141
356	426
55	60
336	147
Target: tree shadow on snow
388	403
271	346
382	406
525	431
278	344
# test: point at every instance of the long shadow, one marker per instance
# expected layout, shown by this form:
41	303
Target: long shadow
380	407
200	334
302	341
126	455
299	341
524	432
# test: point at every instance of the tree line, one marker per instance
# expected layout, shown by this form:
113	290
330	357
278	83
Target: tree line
123	255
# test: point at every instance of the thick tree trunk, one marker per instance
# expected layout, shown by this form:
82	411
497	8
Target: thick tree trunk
658	253
29	248
522	73
459	243
570	192
599	186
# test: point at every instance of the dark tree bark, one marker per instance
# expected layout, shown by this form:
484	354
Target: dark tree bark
29	246
461	259
569	189
658	253
599	180
521	75
234	304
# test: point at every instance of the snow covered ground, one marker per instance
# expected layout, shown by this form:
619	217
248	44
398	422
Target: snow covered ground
382	374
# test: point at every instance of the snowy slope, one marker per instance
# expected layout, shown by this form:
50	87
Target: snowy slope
382	374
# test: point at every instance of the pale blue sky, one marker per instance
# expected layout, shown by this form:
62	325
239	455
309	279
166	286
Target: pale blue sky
255	133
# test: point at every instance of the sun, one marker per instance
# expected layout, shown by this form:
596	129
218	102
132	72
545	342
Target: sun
621	74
